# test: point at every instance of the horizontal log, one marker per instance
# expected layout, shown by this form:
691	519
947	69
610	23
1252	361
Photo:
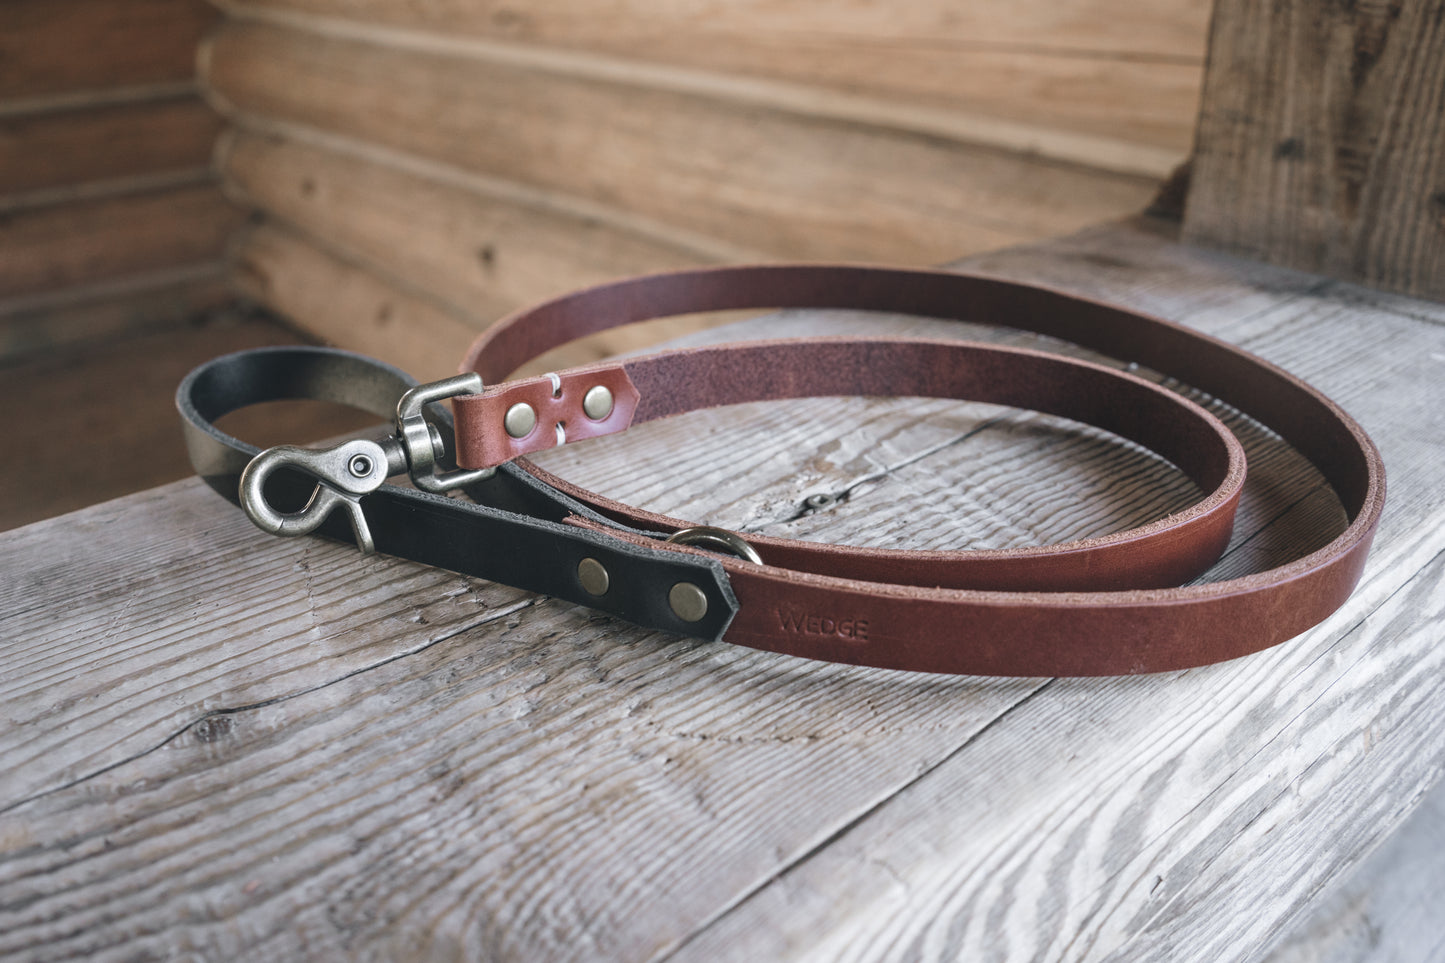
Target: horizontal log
92	240
1077	65
785	185
49	48
335	299
1162	31
480	255
478	252
345	305
38	325
53	149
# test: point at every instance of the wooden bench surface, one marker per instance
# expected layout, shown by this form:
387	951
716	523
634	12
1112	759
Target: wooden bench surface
218	744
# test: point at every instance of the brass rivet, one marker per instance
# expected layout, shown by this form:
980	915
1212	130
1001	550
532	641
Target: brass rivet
520	420
593	576
597	403
688	602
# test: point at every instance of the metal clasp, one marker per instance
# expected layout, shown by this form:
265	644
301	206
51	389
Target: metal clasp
355	468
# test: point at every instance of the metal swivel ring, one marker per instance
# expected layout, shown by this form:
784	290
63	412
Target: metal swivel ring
718	540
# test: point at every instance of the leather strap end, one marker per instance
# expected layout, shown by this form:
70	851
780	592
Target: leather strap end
583	403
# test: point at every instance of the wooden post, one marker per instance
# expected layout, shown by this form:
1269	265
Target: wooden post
1321	139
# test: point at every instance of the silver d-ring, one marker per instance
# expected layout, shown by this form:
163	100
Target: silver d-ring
718	540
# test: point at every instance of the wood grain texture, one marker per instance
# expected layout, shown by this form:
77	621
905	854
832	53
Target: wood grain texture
56	149
345	305
1074	66
36	325
226	745
1389	910
476	251
92	240
1321	140
784	185
50	48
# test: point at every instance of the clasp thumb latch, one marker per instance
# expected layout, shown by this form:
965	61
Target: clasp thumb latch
343	475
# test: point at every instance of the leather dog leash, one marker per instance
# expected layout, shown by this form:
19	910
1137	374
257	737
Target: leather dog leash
512	533
1096	607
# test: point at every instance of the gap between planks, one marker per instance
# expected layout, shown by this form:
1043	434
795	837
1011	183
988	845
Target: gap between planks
105	97
106	189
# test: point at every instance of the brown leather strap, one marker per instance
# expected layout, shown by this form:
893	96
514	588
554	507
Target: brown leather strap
1165	552
885	609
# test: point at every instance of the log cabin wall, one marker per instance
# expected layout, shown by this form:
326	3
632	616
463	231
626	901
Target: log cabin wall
110	213
423	167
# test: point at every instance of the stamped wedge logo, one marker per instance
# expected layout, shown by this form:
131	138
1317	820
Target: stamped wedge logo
803	623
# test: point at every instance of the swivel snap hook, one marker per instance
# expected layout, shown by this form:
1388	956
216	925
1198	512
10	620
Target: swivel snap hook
355	468
343	474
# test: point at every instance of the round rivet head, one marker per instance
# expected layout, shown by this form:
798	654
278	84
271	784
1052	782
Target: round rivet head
360	466
688	602
520	420
597	402
593	576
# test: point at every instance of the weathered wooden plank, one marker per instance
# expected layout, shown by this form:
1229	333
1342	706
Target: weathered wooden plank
304	772
785	185
86	241
1321	140
669	701
1389	908
34	325
284	651
56	149
1165	825
476	251
941	910
59	48
1076	66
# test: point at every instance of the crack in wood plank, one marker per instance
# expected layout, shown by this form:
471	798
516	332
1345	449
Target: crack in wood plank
492	616
845	492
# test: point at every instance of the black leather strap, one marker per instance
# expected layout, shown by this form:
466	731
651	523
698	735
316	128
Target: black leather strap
511	532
